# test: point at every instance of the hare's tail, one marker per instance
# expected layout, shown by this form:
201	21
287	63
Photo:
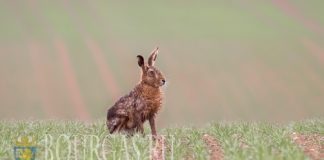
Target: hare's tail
115	124
110	127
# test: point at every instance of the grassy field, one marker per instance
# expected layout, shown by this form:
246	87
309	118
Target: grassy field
238	140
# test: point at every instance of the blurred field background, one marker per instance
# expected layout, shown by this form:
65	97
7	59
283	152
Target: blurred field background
224	60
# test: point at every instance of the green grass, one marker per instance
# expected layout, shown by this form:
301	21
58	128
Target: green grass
240	140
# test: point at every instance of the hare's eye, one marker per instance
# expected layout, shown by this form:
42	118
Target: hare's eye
151	73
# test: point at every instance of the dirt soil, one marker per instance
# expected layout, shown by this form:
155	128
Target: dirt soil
158	151
311	144
215	150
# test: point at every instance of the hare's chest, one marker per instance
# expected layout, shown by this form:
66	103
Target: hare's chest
150	108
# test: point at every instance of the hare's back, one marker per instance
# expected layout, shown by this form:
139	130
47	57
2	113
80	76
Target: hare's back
124	105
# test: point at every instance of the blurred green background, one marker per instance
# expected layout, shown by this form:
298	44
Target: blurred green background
224	59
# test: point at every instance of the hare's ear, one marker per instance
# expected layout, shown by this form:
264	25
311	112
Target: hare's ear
152	58
140	61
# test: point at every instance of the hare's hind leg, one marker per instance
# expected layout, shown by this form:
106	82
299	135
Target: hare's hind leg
140	128
138	123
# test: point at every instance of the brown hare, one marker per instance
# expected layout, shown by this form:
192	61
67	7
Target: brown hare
130	112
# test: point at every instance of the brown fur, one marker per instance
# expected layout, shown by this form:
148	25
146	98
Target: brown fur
130	112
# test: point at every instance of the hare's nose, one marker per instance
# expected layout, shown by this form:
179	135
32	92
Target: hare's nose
163	81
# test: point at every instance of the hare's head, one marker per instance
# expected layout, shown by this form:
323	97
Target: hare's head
150	74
